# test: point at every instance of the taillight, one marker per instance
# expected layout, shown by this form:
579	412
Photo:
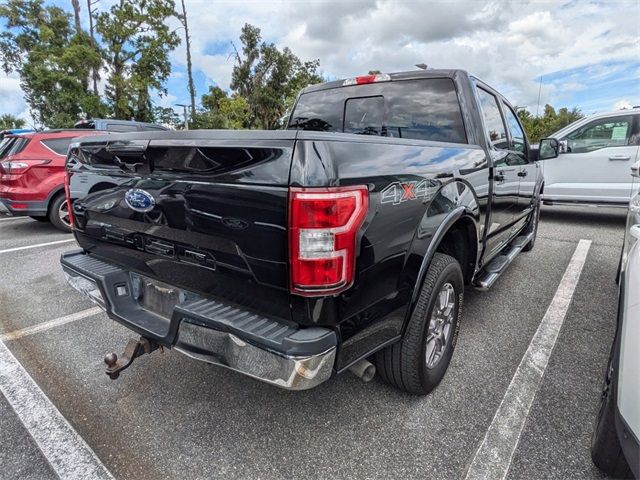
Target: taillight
16	167
323	228
67	194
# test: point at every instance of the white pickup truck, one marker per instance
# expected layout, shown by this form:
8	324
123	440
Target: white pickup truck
593	166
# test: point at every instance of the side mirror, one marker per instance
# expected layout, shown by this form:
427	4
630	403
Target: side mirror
549	148
635	170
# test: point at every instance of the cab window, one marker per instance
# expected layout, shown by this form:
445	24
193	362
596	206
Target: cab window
493	119
517	135
602	133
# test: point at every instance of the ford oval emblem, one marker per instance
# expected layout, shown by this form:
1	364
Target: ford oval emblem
139	200
234	223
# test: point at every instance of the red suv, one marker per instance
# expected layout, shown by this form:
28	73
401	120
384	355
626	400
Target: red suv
32	175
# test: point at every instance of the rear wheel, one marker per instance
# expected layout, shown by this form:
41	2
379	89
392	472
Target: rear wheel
606	451
59	213
418	362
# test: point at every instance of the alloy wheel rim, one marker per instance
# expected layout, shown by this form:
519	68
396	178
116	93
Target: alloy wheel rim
440	325
63	214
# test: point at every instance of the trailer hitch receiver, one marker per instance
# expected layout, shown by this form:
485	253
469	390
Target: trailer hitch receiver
133	350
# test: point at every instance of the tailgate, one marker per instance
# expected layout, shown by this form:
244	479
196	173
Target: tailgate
205	211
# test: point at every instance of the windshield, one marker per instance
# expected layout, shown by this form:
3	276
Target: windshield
425	109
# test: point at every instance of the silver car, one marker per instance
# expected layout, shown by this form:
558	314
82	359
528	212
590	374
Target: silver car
615	446
593	166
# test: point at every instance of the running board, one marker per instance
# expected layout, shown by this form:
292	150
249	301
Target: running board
496	267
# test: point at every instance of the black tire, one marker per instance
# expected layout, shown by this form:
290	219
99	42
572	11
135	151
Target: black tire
404	364
41	219
54	215
606	451
532	226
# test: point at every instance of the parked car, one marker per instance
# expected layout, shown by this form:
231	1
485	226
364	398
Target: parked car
291	256
595	155
615	446
32	175
111	125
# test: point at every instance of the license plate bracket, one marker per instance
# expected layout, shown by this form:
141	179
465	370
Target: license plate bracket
155	296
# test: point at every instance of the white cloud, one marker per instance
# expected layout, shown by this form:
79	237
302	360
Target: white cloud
622	105
509	44
11	97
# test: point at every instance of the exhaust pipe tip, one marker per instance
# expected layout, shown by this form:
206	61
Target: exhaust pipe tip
364	370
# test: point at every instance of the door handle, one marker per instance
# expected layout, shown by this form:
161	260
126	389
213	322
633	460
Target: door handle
623	158
522	173
499	177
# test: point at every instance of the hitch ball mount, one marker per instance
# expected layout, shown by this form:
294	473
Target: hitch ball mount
133	350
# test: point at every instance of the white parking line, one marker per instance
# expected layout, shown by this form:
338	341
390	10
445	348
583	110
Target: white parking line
42	327
13	218
38	245
65	450
493	458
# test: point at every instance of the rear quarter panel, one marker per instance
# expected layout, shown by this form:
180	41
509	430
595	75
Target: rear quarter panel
414	187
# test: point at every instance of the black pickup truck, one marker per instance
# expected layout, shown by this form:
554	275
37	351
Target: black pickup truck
292	256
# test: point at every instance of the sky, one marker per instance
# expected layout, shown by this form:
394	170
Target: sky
577	53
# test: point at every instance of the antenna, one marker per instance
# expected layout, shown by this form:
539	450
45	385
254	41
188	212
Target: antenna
421	66
539	90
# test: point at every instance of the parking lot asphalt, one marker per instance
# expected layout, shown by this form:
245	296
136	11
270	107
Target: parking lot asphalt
171	416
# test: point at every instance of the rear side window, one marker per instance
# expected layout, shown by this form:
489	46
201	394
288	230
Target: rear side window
58	145
16	146
493	119
426	109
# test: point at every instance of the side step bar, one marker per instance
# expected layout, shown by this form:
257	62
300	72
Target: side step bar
496	267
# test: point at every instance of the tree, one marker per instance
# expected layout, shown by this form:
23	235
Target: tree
549	123
168	117
187	39
137	42
221	111
95	75
269	79
8	122
53	60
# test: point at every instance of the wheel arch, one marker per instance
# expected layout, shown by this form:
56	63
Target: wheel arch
448	226
53	194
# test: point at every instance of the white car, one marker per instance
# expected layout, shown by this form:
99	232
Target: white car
593	166
615	446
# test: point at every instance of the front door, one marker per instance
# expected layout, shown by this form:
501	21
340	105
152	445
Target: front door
595	166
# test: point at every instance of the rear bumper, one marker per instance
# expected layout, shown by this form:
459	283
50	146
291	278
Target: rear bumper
220	333
20	208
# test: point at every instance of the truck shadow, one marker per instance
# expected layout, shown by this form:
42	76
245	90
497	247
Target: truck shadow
604	216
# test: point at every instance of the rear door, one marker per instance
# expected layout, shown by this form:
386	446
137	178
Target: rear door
595	167
506	182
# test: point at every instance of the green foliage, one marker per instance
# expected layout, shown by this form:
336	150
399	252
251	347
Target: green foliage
269	79
8	122
52	59
549	123
221	111
167	116
137	41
